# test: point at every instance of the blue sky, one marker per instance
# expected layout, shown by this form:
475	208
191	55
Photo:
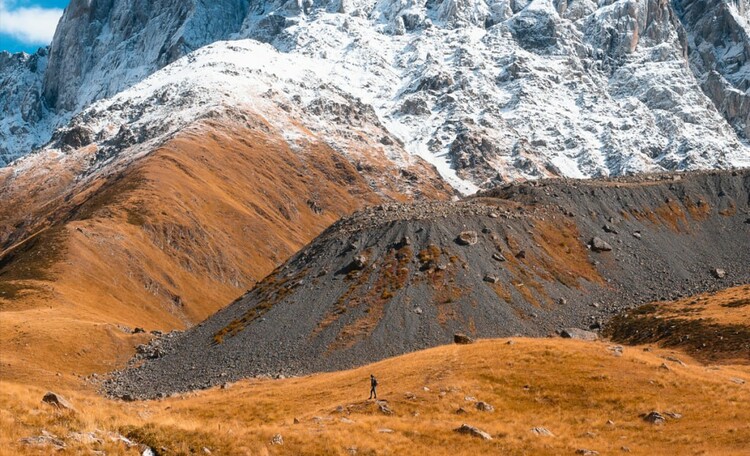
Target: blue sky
26	25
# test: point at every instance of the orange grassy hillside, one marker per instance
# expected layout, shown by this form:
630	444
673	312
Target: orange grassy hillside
161	242
587	395
713	327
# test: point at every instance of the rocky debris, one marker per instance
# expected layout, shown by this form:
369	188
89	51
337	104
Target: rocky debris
609	229
46	439
384	408
148	351
76	137
138	330
462	339
599	245
719	273
277	439
577	333
673	415
484	407
491	278
385	431
542	432
261	332
87	438
637	234
467	238
57	401
473	431
359	262
654	418
737	380
585	452
498	257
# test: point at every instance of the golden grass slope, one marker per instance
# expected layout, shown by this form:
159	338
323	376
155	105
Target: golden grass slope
163	241
713	327
586	393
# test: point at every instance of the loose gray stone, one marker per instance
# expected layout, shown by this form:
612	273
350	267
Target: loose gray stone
467	238
576	333
473	431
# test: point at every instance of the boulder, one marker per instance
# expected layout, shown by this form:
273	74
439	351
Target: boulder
491	278
46	439
484	407
577	333
542	432
384	409
462	339
473	431
719	273
57	401
467	238
277	440
654	418
599	245
359	262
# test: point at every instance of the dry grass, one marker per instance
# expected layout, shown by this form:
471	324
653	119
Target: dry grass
161	243
570	387
713	327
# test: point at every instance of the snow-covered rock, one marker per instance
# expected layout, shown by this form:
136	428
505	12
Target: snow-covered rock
486	90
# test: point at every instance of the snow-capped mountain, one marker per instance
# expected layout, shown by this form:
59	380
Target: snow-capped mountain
486	91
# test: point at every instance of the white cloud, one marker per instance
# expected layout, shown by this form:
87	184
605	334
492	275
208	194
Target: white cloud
31	25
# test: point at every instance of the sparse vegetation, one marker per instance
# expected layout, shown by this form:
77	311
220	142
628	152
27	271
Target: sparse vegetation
713	328
578	390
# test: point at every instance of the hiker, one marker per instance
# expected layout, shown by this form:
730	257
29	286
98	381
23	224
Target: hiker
373	384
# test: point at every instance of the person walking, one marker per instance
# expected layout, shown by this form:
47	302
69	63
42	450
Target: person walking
373	385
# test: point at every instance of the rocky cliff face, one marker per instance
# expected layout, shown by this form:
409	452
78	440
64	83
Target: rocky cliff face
719	40
103	46
487	91
21	106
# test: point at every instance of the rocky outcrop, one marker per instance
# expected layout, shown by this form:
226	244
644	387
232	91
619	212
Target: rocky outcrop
102	47
719	53
21	103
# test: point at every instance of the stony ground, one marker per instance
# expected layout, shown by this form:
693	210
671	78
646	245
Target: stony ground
527	259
